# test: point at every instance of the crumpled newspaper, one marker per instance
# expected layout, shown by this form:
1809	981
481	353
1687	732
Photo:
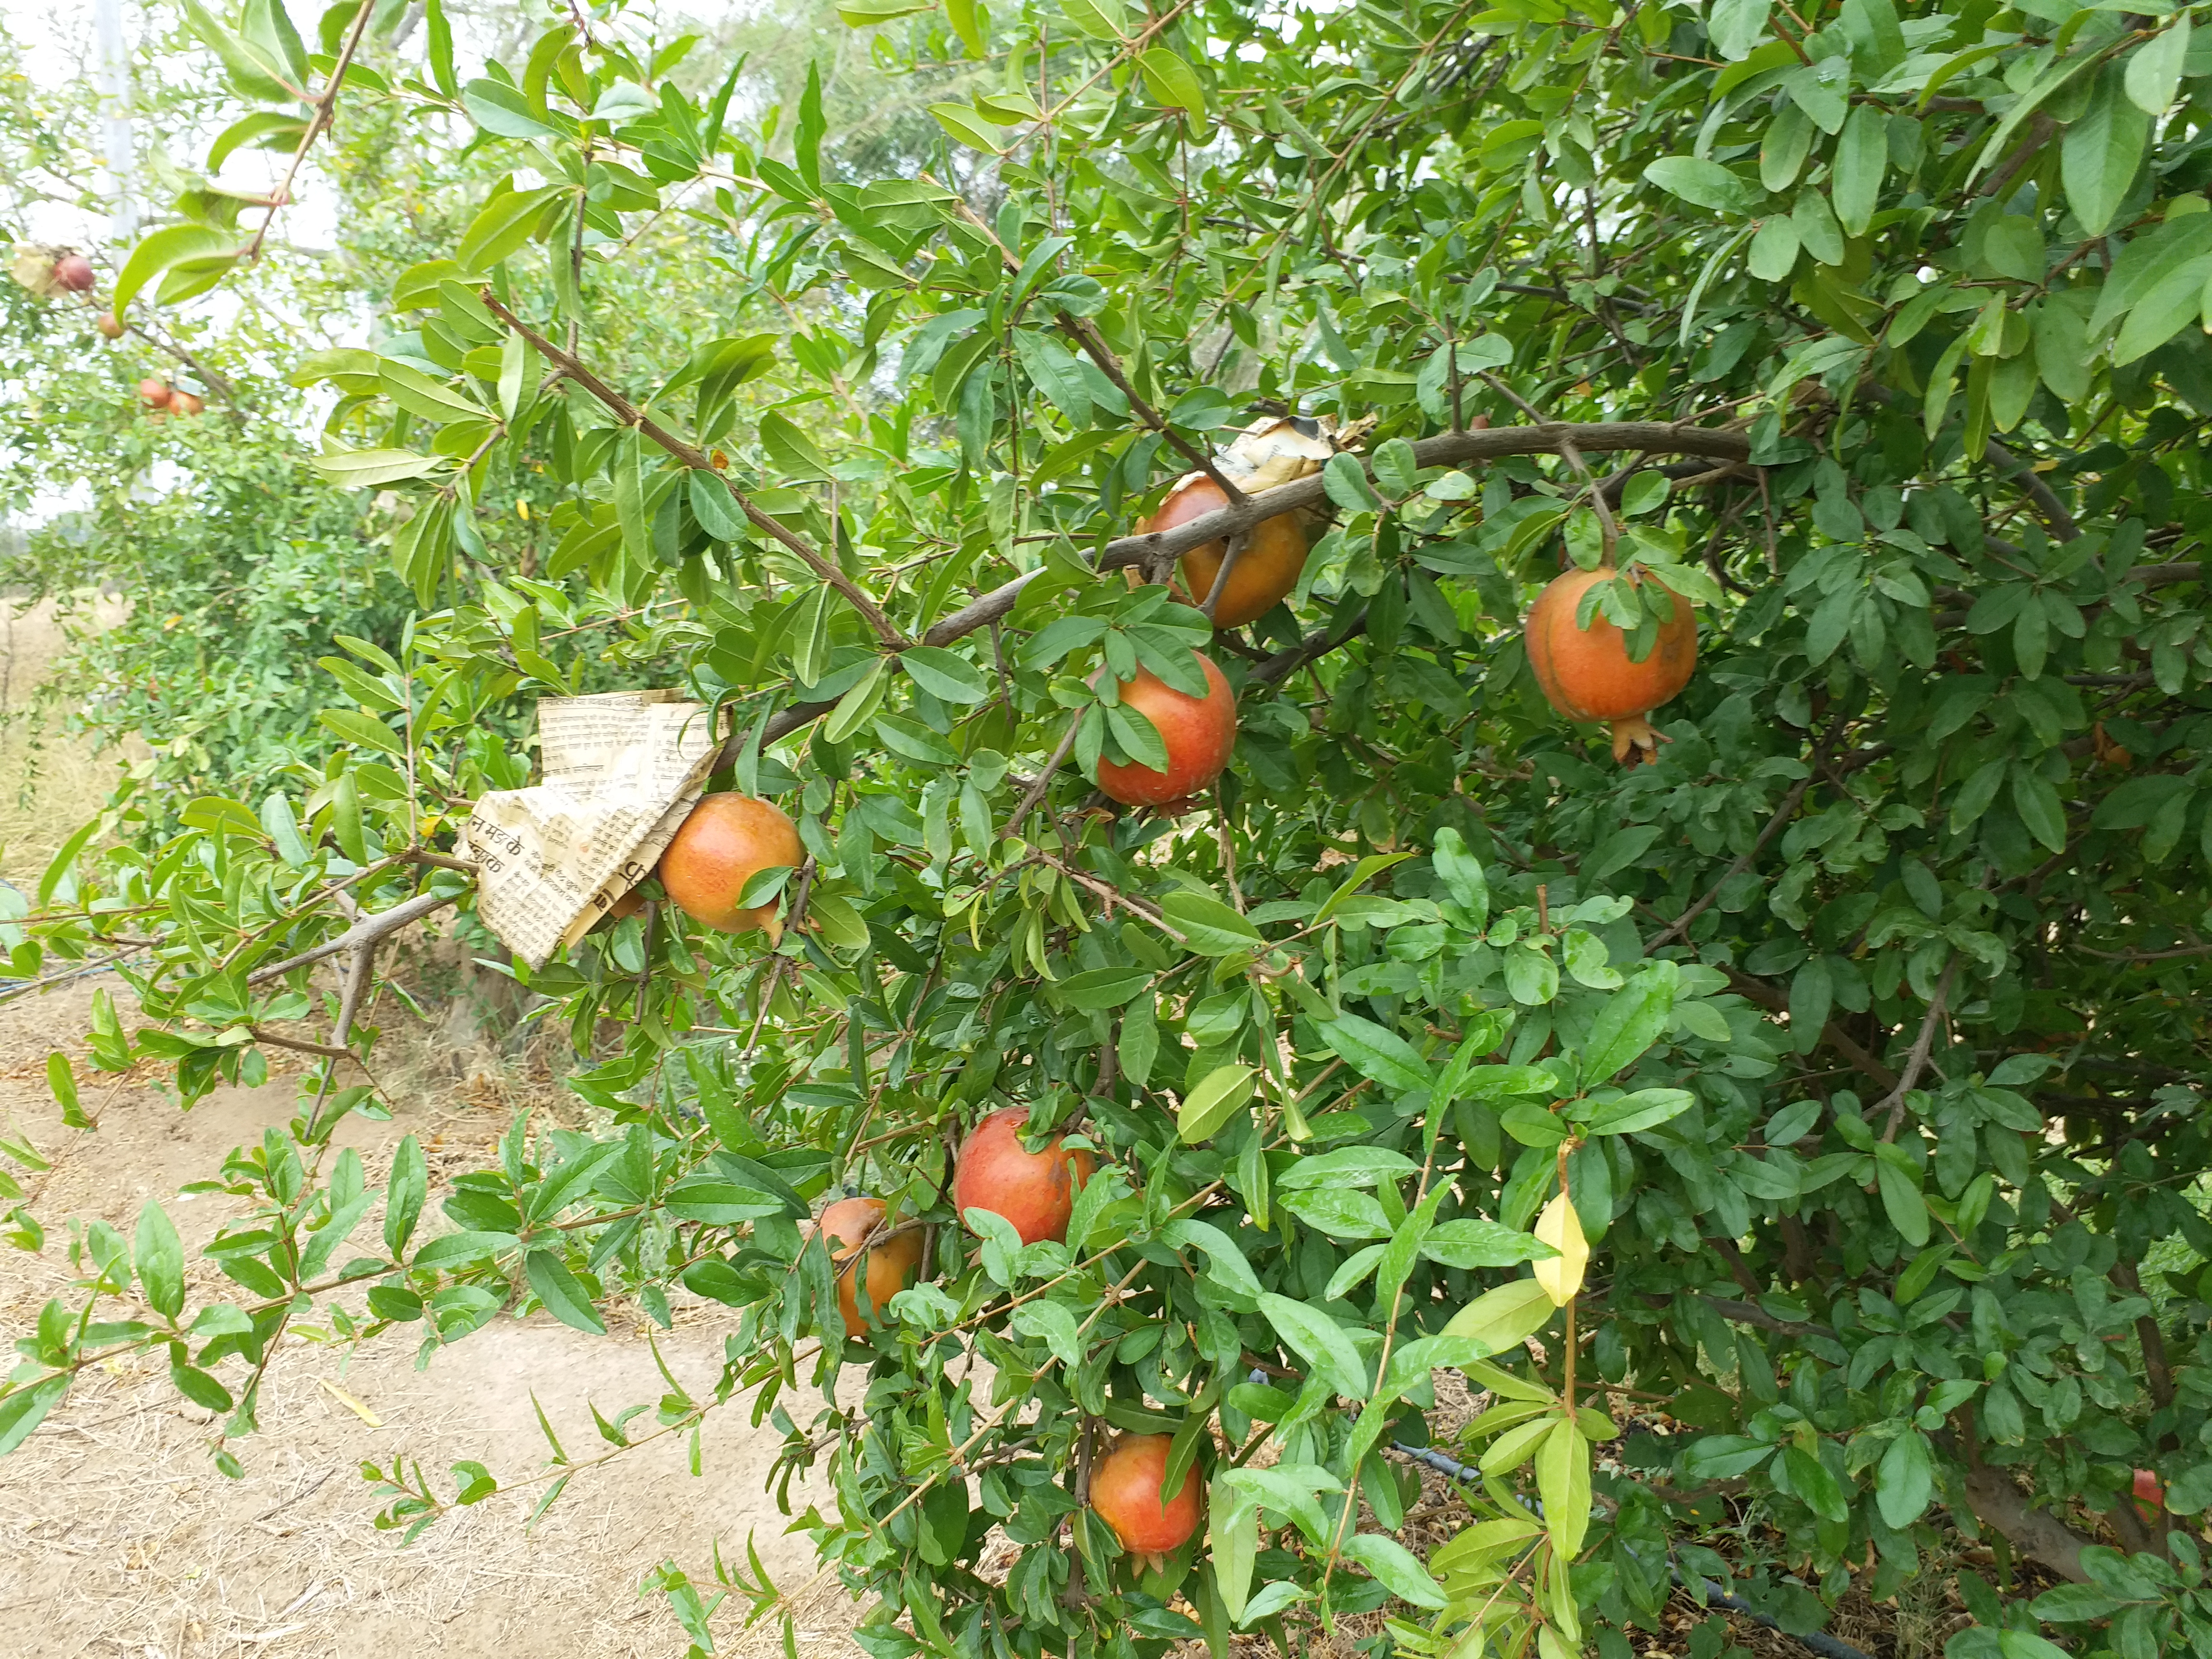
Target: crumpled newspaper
34	268
622	771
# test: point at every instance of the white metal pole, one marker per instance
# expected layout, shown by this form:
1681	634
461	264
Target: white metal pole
113	83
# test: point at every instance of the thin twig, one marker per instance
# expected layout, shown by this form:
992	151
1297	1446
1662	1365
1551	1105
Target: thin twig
281	198
1923	1045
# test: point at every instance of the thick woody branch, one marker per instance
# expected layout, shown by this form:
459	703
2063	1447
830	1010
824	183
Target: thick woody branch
367	930
1998	1504
698	460
1166	546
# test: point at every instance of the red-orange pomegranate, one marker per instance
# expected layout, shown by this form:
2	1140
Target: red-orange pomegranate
1198	732
728	841
1587	673
1126	1489
1035	1192
1265	572
891	1265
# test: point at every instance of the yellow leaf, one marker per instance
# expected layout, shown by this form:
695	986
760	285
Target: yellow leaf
351	1404
1561	1276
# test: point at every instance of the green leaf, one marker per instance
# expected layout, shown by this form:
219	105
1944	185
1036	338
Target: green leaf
1701	183
1104	988
561	1291
1644	1110
1505	1317
1211	927
364	469
1230	1268
1339	1214
946	675
2154	69
1172	81
501	111
1217	1098
716	507
1905	1480
253	72
1346	481
964	16
1374	1051
858	706
790	450
408	1185
1470	1242
1398	1568
159	1257
503	225
25	1407
1631	1022
1562	1479
1321	1341
1820	1490
1862	157
171	245
2102	152
2040	808
262	129
1232	1538
862	13
964	124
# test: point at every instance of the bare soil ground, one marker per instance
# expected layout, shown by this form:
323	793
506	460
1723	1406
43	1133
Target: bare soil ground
118	1536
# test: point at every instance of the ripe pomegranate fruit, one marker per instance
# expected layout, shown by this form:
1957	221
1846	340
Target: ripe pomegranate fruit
155	394
1035	1192
75	272
1126	1489
109	324
890	1265
185	402
1587	674
1198	732
728	841
1265	572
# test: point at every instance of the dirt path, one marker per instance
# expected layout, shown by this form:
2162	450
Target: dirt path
119	1536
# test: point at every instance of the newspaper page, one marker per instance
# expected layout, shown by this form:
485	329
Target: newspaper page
621	770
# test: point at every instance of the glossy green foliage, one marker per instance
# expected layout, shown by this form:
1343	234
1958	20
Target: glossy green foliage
1859	1028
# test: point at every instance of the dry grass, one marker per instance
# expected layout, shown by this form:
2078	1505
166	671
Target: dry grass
51	781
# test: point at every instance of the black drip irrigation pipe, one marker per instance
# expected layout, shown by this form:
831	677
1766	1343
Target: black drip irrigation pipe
1818	1641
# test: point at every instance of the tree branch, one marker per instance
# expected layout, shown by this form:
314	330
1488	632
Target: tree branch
367	930
692	456
324	107
1166	546
1917	1061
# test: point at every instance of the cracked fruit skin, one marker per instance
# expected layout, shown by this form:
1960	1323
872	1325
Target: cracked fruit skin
891	1265
1266	572
1198	732
1033	1191
728	841
1125	1490
1586	673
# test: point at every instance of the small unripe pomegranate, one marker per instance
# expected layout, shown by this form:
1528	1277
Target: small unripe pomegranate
890	1265
728	841
185	402
155	394
109	324
1200	734
74	272
1035	1192
1126	1489
1587	674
